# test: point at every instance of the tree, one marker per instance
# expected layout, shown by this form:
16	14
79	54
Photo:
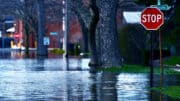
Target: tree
29	18
88	18
105	11
83	14
21	10
92	33
41	48
174	35
110	55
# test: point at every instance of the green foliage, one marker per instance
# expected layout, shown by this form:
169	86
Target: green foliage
135	69
171	31
57	51
172	60
176	19
175	32
127	69
175	35
152	2
123	40
172	91
132	43
146	2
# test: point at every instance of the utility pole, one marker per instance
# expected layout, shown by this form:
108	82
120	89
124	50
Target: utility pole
65	27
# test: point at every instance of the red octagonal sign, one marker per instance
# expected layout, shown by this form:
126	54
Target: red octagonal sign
152	18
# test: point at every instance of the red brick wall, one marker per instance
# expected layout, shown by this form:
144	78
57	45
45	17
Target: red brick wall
74	33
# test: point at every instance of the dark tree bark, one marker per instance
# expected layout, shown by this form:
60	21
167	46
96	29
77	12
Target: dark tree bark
92	34
104	77
102	44
110	55
27	40
84	31
88	22
26	29
41	48
83	14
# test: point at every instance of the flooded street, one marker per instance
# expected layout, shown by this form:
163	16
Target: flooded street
56	79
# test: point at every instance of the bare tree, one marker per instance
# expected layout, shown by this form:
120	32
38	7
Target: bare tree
82	12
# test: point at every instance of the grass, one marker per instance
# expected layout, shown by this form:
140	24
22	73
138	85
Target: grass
57	51
138	69
172	60
127	69
172	91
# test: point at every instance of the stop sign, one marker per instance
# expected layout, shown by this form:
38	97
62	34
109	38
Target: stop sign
16	35
152	18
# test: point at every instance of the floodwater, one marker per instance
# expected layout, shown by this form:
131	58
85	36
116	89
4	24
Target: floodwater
58	79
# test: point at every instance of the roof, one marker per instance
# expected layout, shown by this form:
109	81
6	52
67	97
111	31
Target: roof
132	17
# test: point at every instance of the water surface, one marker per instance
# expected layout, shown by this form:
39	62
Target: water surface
58	79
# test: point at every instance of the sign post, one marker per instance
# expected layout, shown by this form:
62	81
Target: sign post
152	19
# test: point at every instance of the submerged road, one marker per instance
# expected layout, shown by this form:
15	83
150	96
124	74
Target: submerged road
56	79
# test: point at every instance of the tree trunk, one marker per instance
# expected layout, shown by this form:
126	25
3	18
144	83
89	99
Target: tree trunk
110	54
92	34
83	14
27	41
84	31
41	48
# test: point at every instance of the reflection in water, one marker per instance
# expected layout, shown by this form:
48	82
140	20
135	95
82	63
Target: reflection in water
40	66
66	63
133	87
18	54
104	86
70	79
40	61
78	64
28	85
151	83
170	80
107	88
15	54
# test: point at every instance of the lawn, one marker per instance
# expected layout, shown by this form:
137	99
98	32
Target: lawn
172	61
172	91
138	69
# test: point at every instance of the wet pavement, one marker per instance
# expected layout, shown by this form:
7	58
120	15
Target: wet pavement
58	79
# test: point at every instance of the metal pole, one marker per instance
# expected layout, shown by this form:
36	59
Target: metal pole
151	64
65	27
151	60
160	52
161	64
